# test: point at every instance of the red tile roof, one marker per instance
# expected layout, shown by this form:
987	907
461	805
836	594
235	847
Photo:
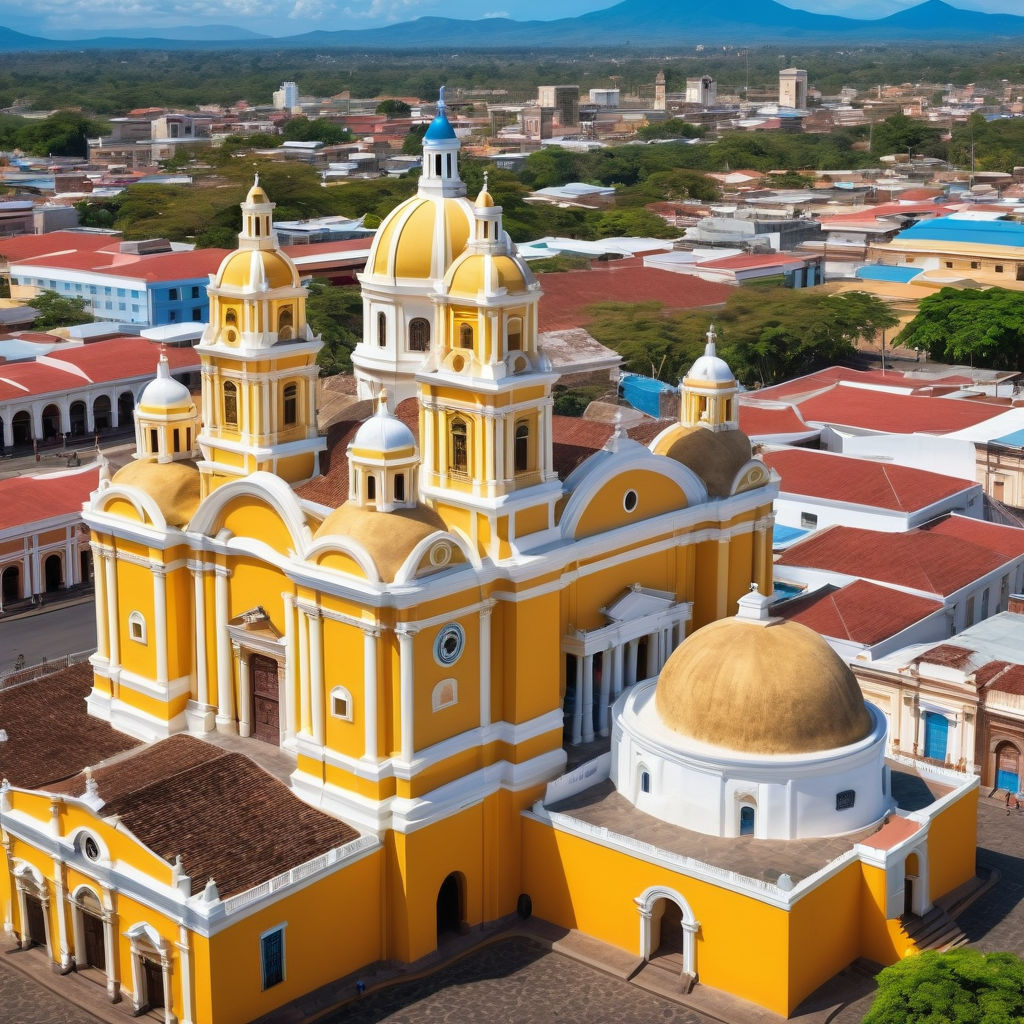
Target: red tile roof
568	294
891	379
1007	541
860	481
893	414
22	380
894	209
894	831
26	500
924	560
863	612
165	266
1009	681
766	421
27	247
121	359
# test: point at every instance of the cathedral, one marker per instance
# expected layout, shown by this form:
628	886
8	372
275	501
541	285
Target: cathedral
419	664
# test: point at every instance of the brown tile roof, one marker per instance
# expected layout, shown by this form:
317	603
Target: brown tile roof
49	734
862	612
227	818
950	655
1007	541
1009	681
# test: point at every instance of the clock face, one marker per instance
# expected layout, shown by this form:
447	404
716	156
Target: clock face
449	644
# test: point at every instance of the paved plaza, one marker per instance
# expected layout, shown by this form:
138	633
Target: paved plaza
519	979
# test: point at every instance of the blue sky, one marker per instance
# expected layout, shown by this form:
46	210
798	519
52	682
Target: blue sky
65	18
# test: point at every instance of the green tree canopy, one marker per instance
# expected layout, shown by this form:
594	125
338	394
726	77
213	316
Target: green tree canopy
394	108
970	325
336	314
902	134
59	311
65	133
319	129
962	986
412	144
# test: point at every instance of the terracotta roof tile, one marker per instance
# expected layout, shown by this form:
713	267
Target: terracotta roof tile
50	736
1009	681
863	612
860	481
767	421
890	379
28	500
1007	541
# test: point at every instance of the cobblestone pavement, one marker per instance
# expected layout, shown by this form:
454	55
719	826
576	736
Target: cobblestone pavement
24	1001
514	980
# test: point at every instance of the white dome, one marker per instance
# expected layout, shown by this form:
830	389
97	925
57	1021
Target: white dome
164	392
383	432
710	367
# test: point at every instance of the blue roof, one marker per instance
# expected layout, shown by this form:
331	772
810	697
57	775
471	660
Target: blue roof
439	131
973	232
786	534
880	272
1014	440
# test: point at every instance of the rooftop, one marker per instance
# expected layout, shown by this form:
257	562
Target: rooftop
33	499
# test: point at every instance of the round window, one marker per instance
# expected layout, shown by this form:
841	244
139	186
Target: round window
90	848
449	644
629	501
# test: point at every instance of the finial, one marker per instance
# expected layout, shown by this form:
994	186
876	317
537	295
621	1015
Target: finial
487	174
382	401
709	349
104	468
256	178
442	107
91	789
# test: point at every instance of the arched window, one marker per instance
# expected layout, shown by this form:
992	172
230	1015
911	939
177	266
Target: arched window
230	317
419	335
399	487
231	404
341	703
137	627
522	449
645	782
515	334
291	404
284	325
746	820
465	336
458	457
382	330
371	487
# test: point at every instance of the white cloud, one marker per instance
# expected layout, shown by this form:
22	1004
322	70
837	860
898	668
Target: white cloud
496	14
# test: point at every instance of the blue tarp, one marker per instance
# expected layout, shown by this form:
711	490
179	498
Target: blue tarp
644	393
1014	440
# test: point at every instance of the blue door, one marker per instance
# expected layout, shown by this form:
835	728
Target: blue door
936	730
1007	780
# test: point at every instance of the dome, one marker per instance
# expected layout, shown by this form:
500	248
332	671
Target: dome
484	200
163	393
388	537
418	229
174	486
383	432
710	368
770	687
439	130
476	272
257	269
715	456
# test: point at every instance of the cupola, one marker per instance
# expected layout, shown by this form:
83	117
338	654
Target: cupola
166	419
383	462
710	390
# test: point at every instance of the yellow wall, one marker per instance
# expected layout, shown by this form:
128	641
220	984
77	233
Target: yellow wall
656	494
952	845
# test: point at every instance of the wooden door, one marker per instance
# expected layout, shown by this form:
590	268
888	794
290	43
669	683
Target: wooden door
92	934
153	981
35	923
266	701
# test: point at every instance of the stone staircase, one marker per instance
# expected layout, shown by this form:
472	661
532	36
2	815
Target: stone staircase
936	930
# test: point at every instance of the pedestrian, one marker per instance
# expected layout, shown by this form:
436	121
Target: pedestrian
1009	797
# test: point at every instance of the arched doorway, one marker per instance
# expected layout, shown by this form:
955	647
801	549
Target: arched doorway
911	870
51	422
668	934
21	428
85	562
668	929
10	582
101	413
125	405
76	415
1008	767
53	573
90	945
450	906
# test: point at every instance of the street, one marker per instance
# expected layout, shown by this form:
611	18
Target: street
50	633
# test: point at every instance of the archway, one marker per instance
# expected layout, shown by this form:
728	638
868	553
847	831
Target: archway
53	573
10	582
76	415
1008	767
101	413
91	949
667	931
21	428
910	877
34	925
125	406
51	422
668	928
450	906
85	563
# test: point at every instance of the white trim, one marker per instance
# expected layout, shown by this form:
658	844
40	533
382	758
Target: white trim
136	618
263	965
435	697
345	695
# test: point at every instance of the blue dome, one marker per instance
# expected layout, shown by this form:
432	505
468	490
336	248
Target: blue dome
439	130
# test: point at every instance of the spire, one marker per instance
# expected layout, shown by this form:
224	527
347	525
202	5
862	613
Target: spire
441	156
710	348
257	219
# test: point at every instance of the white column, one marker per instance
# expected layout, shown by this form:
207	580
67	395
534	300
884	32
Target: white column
100	581
185	959
199	591
618	672
290	675
588	697
165	965
244	692
9	430
485	662
114	648
64	950
110	954
577	706
406	689
316	673
370	691
606	683
225	683
632	649
160	621
304	717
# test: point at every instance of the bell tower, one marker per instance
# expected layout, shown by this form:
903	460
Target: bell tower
485	397
710	391
258	361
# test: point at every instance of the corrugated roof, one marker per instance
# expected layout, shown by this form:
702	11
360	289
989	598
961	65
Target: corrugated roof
963	231
27	500
768	421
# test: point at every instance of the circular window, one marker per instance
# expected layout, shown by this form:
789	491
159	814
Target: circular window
440	555
90	848
230	335
629	501
449	644
458	363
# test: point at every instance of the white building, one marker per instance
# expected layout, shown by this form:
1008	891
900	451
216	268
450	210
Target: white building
287	97
793	88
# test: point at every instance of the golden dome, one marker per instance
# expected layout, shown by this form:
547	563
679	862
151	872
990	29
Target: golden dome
174	486
484	199
775	688
716	456
474	272
415	230
388	537
257	269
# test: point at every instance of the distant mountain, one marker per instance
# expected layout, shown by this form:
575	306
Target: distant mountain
629	23
178	32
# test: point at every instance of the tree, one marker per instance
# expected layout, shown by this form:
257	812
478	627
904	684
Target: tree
336	314
968	325
65	133
902	134
412	144
59	311
302	129
394	108
962	986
